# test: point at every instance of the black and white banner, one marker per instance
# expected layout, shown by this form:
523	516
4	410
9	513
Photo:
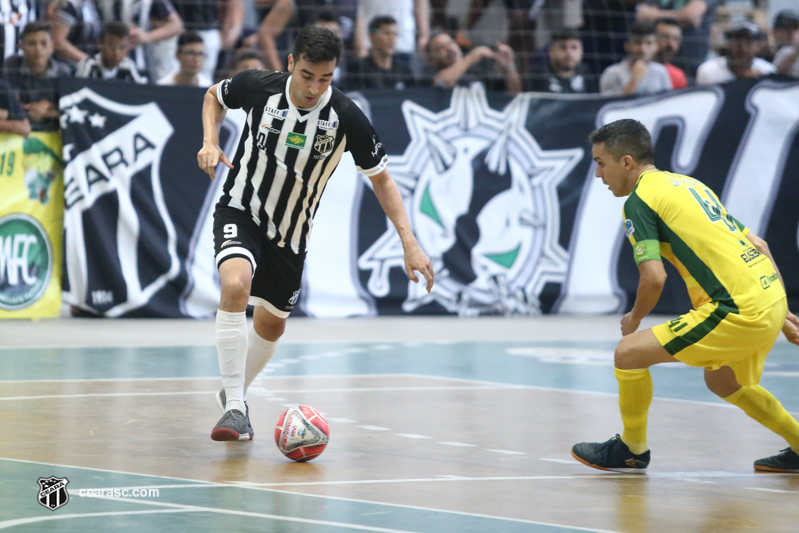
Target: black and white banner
500	191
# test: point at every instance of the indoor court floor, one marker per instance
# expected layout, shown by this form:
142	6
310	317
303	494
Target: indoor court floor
437	425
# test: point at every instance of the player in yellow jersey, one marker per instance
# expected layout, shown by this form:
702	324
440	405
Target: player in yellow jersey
735	288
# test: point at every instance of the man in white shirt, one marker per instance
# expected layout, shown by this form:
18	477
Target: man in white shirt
743	42
637	73
191	56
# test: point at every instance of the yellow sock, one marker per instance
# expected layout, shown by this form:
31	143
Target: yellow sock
635	396
761	405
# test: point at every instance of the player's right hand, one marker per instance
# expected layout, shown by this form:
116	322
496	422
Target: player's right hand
209	156
791	328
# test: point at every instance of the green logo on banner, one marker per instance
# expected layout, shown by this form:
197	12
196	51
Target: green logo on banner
295	140
26	261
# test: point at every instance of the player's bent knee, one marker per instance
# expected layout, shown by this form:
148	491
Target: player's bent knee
267	325
624	356
722	382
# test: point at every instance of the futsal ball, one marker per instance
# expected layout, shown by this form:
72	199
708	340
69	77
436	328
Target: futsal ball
301	433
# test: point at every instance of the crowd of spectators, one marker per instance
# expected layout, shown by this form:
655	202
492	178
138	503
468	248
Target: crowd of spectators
623	47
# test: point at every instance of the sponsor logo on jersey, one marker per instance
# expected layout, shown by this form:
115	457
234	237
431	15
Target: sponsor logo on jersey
628	227
766	281
229	243
326	125
640	249
270	129
324	144
378	146
295	140
277	113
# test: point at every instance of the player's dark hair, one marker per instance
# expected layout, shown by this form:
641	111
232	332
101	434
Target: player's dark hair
625	137
378	22
565	34
639	30
115	28
668	21
189	37
317	44
35	27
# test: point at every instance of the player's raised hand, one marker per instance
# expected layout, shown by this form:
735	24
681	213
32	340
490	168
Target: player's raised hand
209	156
791	328
417	260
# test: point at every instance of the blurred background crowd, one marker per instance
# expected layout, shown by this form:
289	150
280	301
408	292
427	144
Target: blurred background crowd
612	47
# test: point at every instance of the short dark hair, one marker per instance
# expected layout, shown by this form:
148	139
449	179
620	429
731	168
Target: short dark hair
35	27
245	54
189	37
641	30
115	28
377	22
317	44
668	21
565	34
625	137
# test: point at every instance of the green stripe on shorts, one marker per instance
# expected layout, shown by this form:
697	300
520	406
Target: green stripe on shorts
699	332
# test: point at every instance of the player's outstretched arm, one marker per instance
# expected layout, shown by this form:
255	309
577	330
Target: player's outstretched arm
650	285
391	201
213	114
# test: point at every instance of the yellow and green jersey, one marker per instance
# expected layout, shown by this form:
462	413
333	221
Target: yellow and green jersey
681	219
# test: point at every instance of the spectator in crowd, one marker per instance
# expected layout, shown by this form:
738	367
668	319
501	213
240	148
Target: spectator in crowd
495	70
787	59
112	62
413	26
521	28
380	69
743	42
15	15
148	28
246	59
605	27
786	22
304	13
12	116
218	23
191	56
637	74
561	70
669	37
695	17
76	29
35	73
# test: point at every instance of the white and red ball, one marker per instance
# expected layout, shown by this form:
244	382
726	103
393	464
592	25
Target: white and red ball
301	433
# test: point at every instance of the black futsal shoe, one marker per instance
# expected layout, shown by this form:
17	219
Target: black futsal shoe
612	455
785	461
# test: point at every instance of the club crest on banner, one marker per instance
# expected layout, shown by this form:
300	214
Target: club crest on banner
53	492
492	253
113	156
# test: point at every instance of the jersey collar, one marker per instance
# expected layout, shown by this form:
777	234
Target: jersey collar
323	100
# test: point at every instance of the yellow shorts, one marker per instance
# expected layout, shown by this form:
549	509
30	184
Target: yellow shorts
712	336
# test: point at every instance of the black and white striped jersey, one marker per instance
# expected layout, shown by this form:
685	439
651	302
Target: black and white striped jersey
14	16
285	155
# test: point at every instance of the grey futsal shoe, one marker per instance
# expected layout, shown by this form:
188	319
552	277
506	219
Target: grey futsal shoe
232	426
612	455
221	401
785	461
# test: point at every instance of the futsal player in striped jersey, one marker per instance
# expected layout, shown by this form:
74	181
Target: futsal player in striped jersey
735	288
298	127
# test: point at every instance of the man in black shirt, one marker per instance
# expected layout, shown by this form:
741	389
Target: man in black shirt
380	69
560	70
35	75
298	129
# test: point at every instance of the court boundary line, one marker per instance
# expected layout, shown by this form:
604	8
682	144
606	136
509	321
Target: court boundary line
213	484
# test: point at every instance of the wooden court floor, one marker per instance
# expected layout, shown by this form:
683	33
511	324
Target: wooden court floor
437	425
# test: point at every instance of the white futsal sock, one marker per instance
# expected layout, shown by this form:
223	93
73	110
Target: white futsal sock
231	346
259	352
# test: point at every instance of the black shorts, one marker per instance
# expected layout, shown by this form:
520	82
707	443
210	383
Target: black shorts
277	272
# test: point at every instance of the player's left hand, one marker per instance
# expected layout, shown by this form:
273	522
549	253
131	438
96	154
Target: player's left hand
629	324
791	328
417	260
